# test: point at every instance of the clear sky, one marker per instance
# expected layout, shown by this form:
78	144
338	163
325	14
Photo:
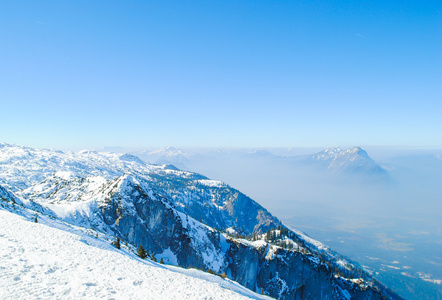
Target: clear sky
85	74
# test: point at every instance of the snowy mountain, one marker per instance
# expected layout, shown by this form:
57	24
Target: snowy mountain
213	202
173	215
351	161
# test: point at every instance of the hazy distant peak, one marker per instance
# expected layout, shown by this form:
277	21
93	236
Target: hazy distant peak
352	160
357	150
337	152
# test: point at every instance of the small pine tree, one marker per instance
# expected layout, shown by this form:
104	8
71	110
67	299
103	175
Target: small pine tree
117	244
154	258
161	261
141	252
35	219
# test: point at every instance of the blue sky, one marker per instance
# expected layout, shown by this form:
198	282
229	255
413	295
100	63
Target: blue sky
85	74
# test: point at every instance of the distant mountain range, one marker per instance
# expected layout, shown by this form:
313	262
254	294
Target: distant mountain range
332	161
181	217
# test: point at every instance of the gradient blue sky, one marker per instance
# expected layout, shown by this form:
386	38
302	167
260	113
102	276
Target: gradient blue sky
85	74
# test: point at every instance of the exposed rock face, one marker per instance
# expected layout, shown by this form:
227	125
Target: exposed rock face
218	205
139	216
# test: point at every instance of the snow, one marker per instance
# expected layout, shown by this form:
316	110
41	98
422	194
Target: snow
231	230
308	239
21	167
64	175
259	243
54	260
168	256
211	183
213	258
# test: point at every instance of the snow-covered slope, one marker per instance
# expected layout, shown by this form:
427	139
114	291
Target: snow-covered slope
55	260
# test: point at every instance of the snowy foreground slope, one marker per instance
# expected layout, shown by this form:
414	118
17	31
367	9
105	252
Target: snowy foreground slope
51	259
181	217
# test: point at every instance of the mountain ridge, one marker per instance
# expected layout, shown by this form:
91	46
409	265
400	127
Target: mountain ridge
123	197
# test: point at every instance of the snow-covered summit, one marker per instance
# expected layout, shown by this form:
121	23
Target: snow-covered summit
336	153
354	160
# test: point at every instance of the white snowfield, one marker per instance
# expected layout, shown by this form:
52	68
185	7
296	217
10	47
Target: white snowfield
54	260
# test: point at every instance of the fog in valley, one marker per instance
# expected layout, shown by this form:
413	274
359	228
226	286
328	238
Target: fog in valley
381	208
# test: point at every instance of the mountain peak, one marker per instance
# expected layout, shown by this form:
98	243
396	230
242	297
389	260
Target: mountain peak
336	152
353	159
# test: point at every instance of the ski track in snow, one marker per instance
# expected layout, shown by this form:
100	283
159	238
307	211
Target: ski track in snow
45	261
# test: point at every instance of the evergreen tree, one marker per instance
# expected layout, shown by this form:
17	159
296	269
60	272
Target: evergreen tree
116	243
268	234
154	258
161	261
35	219
141	252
